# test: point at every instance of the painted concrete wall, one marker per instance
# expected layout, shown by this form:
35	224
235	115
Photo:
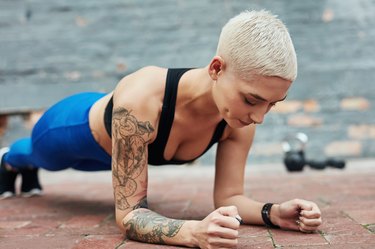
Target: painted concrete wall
50	49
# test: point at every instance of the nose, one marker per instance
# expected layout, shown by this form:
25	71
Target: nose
257	116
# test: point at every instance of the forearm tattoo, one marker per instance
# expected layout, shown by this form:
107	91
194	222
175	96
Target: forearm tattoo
148	226
129	157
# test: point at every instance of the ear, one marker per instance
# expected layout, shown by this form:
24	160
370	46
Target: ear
216	67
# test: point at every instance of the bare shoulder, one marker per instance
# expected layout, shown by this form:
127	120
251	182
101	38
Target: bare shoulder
145	82
141	94
243	135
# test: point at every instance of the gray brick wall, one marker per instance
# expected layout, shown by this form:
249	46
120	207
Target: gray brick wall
50	49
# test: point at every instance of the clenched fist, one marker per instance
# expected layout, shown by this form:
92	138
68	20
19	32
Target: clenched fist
297	214
219	229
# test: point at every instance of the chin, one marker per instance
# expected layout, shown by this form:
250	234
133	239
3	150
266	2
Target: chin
233	123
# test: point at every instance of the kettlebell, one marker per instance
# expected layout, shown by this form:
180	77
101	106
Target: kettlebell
294	160
294	146
294	157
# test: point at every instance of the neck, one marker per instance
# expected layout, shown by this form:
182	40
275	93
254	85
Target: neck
197	92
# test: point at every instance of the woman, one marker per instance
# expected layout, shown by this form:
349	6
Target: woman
172	116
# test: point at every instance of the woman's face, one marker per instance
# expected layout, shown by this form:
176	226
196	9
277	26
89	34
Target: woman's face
244	102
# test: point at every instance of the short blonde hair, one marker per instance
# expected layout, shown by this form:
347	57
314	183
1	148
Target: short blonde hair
257	41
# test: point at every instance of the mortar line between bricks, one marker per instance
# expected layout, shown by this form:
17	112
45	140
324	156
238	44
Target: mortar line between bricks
366	226
273	241
122	243
51	230
324	201
187	206
324	237
106	219
348	216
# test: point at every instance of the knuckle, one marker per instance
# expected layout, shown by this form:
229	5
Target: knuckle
221	209
302	229
211	230
296	201
233	208
232	235
215	219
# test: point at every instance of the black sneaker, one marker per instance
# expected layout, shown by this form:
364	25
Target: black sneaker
7	177
30	183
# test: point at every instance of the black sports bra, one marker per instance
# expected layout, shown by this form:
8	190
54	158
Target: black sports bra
156	149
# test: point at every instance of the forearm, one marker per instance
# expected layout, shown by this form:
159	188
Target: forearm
249	210
147	226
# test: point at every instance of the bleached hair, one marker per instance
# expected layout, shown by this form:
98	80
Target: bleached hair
257	41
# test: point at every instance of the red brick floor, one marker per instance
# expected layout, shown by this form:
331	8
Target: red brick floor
76	210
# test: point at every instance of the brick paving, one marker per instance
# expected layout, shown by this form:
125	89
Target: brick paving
77	208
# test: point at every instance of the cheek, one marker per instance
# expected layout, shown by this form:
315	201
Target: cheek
230	103
236	108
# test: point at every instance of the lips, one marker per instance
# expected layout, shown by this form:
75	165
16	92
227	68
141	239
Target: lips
244	123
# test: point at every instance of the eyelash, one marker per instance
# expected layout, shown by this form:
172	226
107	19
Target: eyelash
249	103
253	104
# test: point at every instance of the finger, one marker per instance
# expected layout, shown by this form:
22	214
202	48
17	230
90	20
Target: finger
304	205
225	221
228	211
307	229
311	222
313	214
226	233
231	211
239	219
222	242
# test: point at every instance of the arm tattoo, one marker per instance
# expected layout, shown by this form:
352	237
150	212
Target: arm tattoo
142	203
129	156
150	227
129	159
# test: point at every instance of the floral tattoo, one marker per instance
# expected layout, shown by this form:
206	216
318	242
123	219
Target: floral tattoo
129	159
130	156
151	227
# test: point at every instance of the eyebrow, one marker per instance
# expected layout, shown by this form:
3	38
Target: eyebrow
256	96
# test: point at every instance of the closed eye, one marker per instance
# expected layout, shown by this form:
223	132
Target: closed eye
249	102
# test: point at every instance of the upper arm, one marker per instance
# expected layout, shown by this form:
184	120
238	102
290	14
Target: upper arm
133	123
230	163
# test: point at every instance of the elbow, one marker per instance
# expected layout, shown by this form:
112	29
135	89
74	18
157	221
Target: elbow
120	223
121	219
225	200
219	202
220	198
120	226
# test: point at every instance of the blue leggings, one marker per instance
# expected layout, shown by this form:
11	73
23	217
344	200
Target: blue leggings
62	139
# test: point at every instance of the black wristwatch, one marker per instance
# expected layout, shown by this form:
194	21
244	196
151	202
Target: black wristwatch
266	210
